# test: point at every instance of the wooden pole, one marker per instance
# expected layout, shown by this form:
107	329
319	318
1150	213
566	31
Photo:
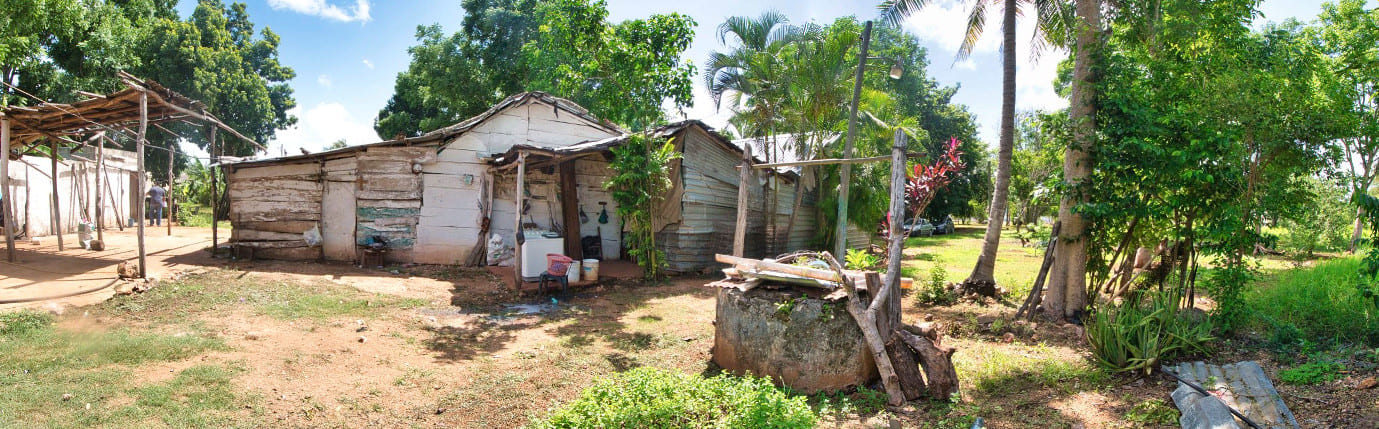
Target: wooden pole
143	128
215	200
57	208
5	185
100	175
897	236
167	193
740	232
517	219
569	210
840	235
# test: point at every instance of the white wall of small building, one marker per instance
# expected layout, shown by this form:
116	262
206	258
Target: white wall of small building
32	187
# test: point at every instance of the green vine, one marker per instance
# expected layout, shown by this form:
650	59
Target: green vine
641	177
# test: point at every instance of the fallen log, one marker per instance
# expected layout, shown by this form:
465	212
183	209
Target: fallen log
906	367
937	361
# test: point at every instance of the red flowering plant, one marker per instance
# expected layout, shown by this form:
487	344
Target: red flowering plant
927	180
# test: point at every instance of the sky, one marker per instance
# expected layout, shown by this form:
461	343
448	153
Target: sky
347	54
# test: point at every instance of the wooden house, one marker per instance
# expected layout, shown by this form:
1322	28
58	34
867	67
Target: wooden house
439	198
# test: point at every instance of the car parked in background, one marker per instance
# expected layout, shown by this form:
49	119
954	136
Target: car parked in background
918	228
944	226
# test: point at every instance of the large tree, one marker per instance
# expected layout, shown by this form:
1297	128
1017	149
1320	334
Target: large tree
623	72
1348	34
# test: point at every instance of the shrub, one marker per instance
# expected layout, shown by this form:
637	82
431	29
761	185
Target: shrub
656	398
858	259
1138	335
935	291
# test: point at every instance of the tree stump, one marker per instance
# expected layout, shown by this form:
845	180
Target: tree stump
937	360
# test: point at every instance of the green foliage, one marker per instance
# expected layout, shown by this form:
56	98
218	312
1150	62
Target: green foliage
23	322
622	72
859	259
935	291
1322	220
1153	411
641	175
1319	303
655	398
1311	373
1227	285
1137	336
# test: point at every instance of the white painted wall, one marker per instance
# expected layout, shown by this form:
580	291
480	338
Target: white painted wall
450	215
31	183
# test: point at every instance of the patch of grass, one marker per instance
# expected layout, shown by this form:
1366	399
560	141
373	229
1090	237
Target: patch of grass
656	398
957	253
39	364
839	404
1153	411
23	322
999	371
1320	302
222	289
1315	372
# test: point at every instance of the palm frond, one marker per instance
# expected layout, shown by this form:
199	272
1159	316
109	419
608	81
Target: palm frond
1053	20
894	12
976	23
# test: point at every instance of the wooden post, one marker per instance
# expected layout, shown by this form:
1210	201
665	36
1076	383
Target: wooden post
840	235
569	209
100	175
167	193
743	191
518	239
215	201
896	247
5	185
57	208
143	128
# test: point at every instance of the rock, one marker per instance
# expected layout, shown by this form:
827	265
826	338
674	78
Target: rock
1008	338
1367	383
66	396
440	411
361	329
362	339
253	336
929	317
688	339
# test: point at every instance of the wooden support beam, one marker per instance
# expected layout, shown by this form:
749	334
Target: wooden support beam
167	193
5	186
740	232
518	239
896	247
100	176
57	207
830	161
215	201
143	128
569	210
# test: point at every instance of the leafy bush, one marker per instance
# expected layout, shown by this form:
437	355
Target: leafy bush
935	291
1138	335
655	398
1311	373
858	259
641	176
1227	284
1320	302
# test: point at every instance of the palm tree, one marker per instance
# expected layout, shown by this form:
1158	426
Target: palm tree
754	75
1049	21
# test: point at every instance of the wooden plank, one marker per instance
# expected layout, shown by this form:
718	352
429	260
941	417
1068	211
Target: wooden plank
292	227
301	183
8	196
284	195
255	235
388	195
280	170
740	231
391	204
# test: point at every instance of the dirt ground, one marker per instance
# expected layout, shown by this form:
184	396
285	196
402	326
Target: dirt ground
41	270
427	346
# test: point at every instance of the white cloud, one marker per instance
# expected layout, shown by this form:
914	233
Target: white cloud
368	64
360	11
945	23
323	80
320	126
967	64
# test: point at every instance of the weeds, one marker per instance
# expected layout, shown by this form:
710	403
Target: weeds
1315	372
656	398
1153	411
1321	303
935	291
1137	335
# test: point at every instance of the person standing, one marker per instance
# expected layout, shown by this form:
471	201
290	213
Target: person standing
156	203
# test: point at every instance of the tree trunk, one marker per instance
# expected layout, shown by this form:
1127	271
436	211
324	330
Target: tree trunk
936	360
1068	282
906	365
985	269
1359	228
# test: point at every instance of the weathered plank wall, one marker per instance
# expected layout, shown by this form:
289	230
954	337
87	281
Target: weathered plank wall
272	205
389	197
450	219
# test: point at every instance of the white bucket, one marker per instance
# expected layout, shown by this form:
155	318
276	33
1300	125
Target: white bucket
591	270
572	274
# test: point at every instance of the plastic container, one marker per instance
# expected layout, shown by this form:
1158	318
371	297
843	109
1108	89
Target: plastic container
557	264
573	275
591	270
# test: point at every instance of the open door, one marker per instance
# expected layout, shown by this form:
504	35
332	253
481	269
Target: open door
337	221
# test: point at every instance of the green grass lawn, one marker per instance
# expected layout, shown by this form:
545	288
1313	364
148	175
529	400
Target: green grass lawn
957	253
